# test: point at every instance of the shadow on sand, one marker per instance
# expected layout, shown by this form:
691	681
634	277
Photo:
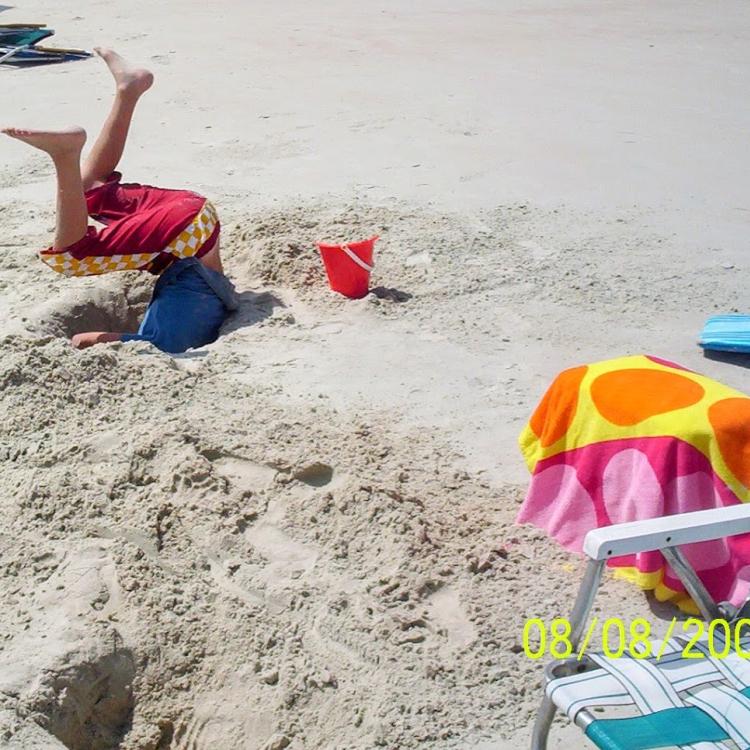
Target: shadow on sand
391	294
664	610
253	309
730	358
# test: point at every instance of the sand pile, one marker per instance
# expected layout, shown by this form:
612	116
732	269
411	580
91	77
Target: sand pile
225	569
227	573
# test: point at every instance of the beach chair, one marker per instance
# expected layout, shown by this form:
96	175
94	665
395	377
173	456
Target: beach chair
698	703
33	55
15	38
18	46
20	35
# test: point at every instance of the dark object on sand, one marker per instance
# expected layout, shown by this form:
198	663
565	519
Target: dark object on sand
22	35
18	46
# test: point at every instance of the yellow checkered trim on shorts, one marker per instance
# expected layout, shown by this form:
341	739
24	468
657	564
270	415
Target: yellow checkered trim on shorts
187	243
191	239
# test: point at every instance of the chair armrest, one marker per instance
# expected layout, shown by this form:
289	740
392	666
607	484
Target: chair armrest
668	531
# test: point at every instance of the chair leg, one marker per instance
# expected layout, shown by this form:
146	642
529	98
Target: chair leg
592	578
578	617
686	573
10	53
544	717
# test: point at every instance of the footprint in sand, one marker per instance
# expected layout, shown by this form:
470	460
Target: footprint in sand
221	714
287	558
105	447
448	614
244	473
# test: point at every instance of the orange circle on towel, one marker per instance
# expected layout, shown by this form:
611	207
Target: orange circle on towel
730	419
556	411
627	397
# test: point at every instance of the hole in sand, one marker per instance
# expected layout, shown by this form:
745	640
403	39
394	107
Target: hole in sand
119	310
315	475
90	706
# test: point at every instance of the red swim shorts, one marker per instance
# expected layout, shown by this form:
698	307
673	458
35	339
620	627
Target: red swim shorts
146	228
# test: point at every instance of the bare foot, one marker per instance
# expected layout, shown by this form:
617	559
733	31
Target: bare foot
54	142
129	80
85	340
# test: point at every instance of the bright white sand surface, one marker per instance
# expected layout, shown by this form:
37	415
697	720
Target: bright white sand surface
554	183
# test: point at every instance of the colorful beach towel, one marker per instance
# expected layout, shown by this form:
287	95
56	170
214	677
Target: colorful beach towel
636	438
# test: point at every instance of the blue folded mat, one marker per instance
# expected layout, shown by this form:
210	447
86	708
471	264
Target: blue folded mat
726	333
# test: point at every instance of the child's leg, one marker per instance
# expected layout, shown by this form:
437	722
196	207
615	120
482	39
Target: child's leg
64	146
130	83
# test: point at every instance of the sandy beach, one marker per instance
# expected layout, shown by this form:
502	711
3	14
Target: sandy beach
302	535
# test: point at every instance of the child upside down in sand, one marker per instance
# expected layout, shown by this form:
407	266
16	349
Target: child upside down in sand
170	233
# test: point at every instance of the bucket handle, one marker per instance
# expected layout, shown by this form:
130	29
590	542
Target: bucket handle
356	258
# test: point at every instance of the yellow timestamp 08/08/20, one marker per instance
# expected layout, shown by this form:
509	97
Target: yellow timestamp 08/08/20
696	638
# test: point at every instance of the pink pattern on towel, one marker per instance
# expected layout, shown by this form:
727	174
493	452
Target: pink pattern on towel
637	478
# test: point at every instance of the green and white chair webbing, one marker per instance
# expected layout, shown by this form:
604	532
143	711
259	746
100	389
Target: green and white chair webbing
699	704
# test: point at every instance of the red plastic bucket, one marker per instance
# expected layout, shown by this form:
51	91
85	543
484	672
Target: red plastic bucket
348	266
